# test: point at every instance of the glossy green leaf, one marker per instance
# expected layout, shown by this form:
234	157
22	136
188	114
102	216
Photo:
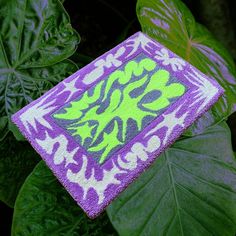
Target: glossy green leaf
172	24
190	190
17	160
43	207
35	39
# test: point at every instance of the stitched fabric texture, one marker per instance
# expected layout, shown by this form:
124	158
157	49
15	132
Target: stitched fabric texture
111	113
101	127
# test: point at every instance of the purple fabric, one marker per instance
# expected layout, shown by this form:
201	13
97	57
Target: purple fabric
94	186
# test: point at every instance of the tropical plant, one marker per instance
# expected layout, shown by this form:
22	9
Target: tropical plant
191	187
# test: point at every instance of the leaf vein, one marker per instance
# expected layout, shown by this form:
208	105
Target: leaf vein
19	44
174	191
4	52
205	202
214	185
153	211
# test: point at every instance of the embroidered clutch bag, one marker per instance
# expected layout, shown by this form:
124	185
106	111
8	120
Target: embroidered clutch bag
99	129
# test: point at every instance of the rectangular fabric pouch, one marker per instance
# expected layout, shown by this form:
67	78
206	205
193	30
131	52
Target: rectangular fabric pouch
99	129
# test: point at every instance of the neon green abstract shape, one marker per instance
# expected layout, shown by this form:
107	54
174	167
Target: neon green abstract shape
86	129
122	106
75	111
131	69
168	91
105	144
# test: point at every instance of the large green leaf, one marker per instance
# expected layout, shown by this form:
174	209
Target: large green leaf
17	160
35	39
172	24
43	207
190	190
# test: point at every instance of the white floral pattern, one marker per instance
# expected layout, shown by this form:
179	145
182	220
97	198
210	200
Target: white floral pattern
101	64
109	177
177	64
205	90
170	121
36	114
141	41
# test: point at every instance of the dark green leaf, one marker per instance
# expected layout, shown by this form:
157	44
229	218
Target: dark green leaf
215	14
190	190
43	207
3	127
17	160
35	39
172	24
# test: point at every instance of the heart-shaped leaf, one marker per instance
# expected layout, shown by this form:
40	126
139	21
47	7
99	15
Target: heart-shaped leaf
190	190
43	207
172	24
17	160
34	36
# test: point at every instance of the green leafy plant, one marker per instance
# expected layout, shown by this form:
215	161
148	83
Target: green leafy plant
191	187
190	190
43	207
35	40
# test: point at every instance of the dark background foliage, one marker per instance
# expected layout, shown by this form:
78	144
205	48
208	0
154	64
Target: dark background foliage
104	23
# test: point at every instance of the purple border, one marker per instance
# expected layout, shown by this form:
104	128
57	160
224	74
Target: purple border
90	205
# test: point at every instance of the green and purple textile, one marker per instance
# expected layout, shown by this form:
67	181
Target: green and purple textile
103	126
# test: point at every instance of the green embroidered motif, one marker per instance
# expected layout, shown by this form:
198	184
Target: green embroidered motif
119	106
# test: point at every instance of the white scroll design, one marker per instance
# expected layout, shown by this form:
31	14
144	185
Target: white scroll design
108	62
99	186
61	153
